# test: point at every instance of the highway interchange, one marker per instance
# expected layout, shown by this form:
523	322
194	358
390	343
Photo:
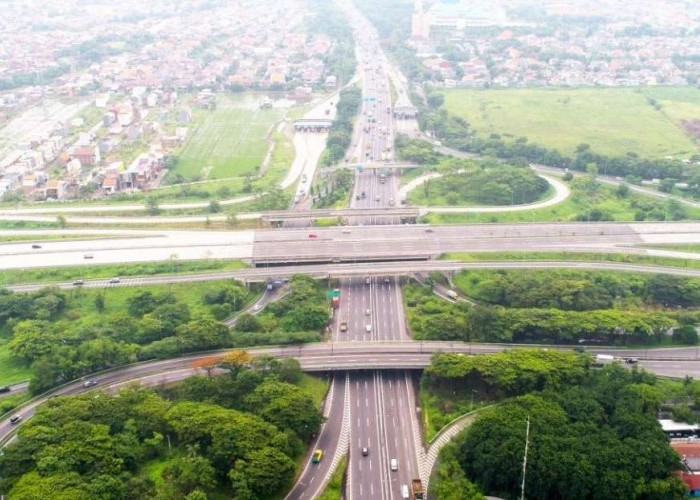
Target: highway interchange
372	399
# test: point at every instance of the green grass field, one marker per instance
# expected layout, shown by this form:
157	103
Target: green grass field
230	141
649	260
62	274
613	121
578	204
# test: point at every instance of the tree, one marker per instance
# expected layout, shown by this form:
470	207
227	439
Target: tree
203	333
247	323
32	339
262	472
686	335
207	364
152	207
142	302
286	406
100	302
190	473
61	220
667	185
623	191
305	318
214	207
235	361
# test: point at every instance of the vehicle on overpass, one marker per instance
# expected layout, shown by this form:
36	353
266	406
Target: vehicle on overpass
318	456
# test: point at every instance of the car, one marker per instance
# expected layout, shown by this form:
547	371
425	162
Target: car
312	235
88	256
394	464
368	328
357	196
16	419
36	246
391	202
428	230
367	312
404	491
89	383
5	388
346	231
631	361
318	456
377	198
368	281
387	280
114	281
365	451
257	307
78	283
362	194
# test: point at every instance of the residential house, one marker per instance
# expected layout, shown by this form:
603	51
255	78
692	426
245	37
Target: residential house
73	167
55	189
184	116
111	184
88	155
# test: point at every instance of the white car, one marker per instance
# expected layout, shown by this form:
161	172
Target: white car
257	307
367	312
394	464
368	328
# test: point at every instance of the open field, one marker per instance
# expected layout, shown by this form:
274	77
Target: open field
230	140
613	121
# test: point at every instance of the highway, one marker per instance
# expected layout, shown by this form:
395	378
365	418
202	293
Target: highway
342	356
353	244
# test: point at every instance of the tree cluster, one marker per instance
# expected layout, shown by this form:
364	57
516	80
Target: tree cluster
433	319
596	440
497	186
340	135
62	343
579	290
506	374
95	446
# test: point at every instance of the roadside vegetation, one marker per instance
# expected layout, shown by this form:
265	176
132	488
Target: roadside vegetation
590	201
602	423
66	274
456	132
61	336
560	307
622	258
334	490
237	435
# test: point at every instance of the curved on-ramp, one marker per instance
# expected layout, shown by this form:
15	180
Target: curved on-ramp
561	194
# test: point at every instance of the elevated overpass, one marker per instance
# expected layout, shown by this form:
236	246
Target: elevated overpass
279	217
337	356
371	166
313	124
354	270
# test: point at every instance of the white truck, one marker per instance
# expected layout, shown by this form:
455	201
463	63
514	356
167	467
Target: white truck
604	359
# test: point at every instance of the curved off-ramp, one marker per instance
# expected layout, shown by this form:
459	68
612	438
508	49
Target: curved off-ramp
561	194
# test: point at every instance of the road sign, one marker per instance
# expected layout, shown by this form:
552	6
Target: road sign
333	294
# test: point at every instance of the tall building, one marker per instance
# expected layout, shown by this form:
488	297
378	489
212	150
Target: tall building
420	27
453	16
